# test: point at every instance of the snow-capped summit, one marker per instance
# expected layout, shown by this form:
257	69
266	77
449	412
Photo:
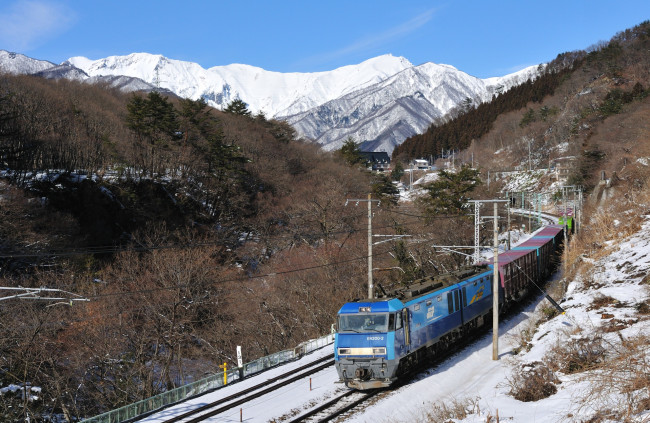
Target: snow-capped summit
379	102
16	63
273	93
383	115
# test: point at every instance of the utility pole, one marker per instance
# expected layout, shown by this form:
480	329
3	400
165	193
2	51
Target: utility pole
371	287
495	290
530	207
477	223
508	208
495	276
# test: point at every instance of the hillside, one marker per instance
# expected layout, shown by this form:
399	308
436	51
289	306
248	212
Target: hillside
169	216
590	105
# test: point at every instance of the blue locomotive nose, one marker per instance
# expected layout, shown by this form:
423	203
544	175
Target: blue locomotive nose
364	346
361	345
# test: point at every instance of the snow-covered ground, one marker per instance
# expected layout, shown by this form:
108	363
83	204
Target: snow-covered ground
483	386
471	377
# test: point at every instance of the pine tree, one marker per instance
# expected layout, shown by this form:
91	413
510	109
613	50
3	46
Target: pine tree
351	152
153	120
238	107
397	172
448	194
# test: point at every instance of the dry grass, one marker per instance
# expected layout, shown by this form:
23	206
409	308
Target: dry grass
601	301
532	382
443	411
620	218
454	409
622	382
577	354
522	337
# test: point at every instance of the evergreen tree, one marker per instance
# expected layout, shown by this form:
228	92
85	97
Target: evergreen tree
448	195
153	120
384	189
238	107
195	119
351	152
397	172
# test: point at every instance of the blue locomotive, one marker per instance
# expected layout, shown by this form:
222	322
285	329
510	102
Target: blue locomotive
380	339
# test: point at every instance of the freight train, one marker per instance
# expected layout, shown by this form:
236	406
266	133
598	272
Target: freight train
380	339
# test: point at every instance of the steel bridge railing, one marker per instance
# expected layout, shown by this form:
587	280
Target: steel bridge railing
148	406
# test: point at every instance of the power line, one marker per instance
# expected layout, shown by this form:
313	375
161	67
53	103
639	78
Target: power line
110	249
240	279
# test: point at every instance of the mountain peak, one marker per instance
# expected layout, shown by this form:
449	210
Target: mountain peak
380	101
17	63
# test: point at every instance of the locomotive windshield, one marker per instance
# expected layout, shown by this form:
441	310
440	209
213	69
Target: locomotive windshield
362	323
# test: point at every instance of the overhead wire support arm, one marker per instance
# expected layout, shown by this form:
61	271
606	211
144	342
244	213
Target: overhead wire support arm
35	294
390	238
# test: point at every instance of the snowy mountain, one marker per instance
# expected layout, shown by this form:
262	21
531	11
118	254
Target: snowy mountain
16	63
273	93
385	114
379	102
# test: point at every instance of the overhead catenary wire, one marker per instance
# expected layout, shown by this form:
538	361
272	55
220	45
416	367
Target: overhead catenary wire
111	249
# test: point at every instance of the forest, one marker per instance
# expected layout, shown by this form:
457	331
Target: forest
191	231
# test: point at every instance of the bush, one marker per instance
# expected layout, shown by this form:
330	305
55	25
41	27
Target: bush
535	381
578	355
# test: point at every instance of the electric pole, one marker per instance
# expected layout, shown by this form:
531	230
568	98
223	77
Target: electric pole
371	287
495	290
495	274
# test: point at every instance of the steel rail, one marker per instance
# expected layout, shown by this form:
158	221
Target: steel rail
242	397
365	395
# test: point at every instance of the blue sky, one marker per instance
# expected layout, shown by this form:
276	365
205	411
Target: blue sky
483	38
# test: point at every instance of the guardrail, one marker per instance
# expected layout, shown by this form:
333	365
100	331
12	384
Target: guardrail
210	383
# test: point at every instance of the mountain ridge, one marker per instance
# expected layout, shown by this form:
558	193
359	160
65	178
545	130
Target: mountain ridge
379	102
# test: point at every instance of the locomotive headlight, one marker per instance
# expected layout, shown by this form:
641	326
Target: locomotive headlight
345	351
379	351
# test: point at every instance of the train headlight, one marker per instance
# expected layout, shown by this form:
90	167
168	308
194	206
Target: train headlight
345	351
379	351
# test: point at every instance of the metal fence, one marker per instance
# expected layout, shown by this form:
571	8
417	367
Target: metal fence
149	405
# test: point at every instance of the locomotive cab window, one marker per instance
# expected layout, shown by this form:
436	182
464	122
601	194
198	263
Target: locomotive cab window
363	323
398	321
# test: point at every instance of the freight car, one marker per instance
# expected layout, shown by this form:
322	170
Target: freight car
380	339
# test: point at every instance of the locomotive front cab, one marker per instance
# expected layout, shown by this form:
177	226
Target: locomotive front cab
364	345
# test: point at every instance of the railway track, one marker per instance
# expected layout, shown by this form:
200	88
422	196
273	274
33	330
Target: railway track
221	405
336	406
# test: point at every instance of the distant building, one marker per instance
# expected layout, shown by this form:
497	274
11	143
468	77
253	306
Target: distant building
562	167
376	160
421	164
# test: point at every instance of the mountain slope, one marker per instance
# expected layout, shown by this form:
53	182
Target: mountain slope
16	63
273	93
379	102
385	114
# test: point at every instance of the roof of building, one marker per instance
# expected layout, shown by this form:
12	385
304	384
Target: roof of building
375	156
